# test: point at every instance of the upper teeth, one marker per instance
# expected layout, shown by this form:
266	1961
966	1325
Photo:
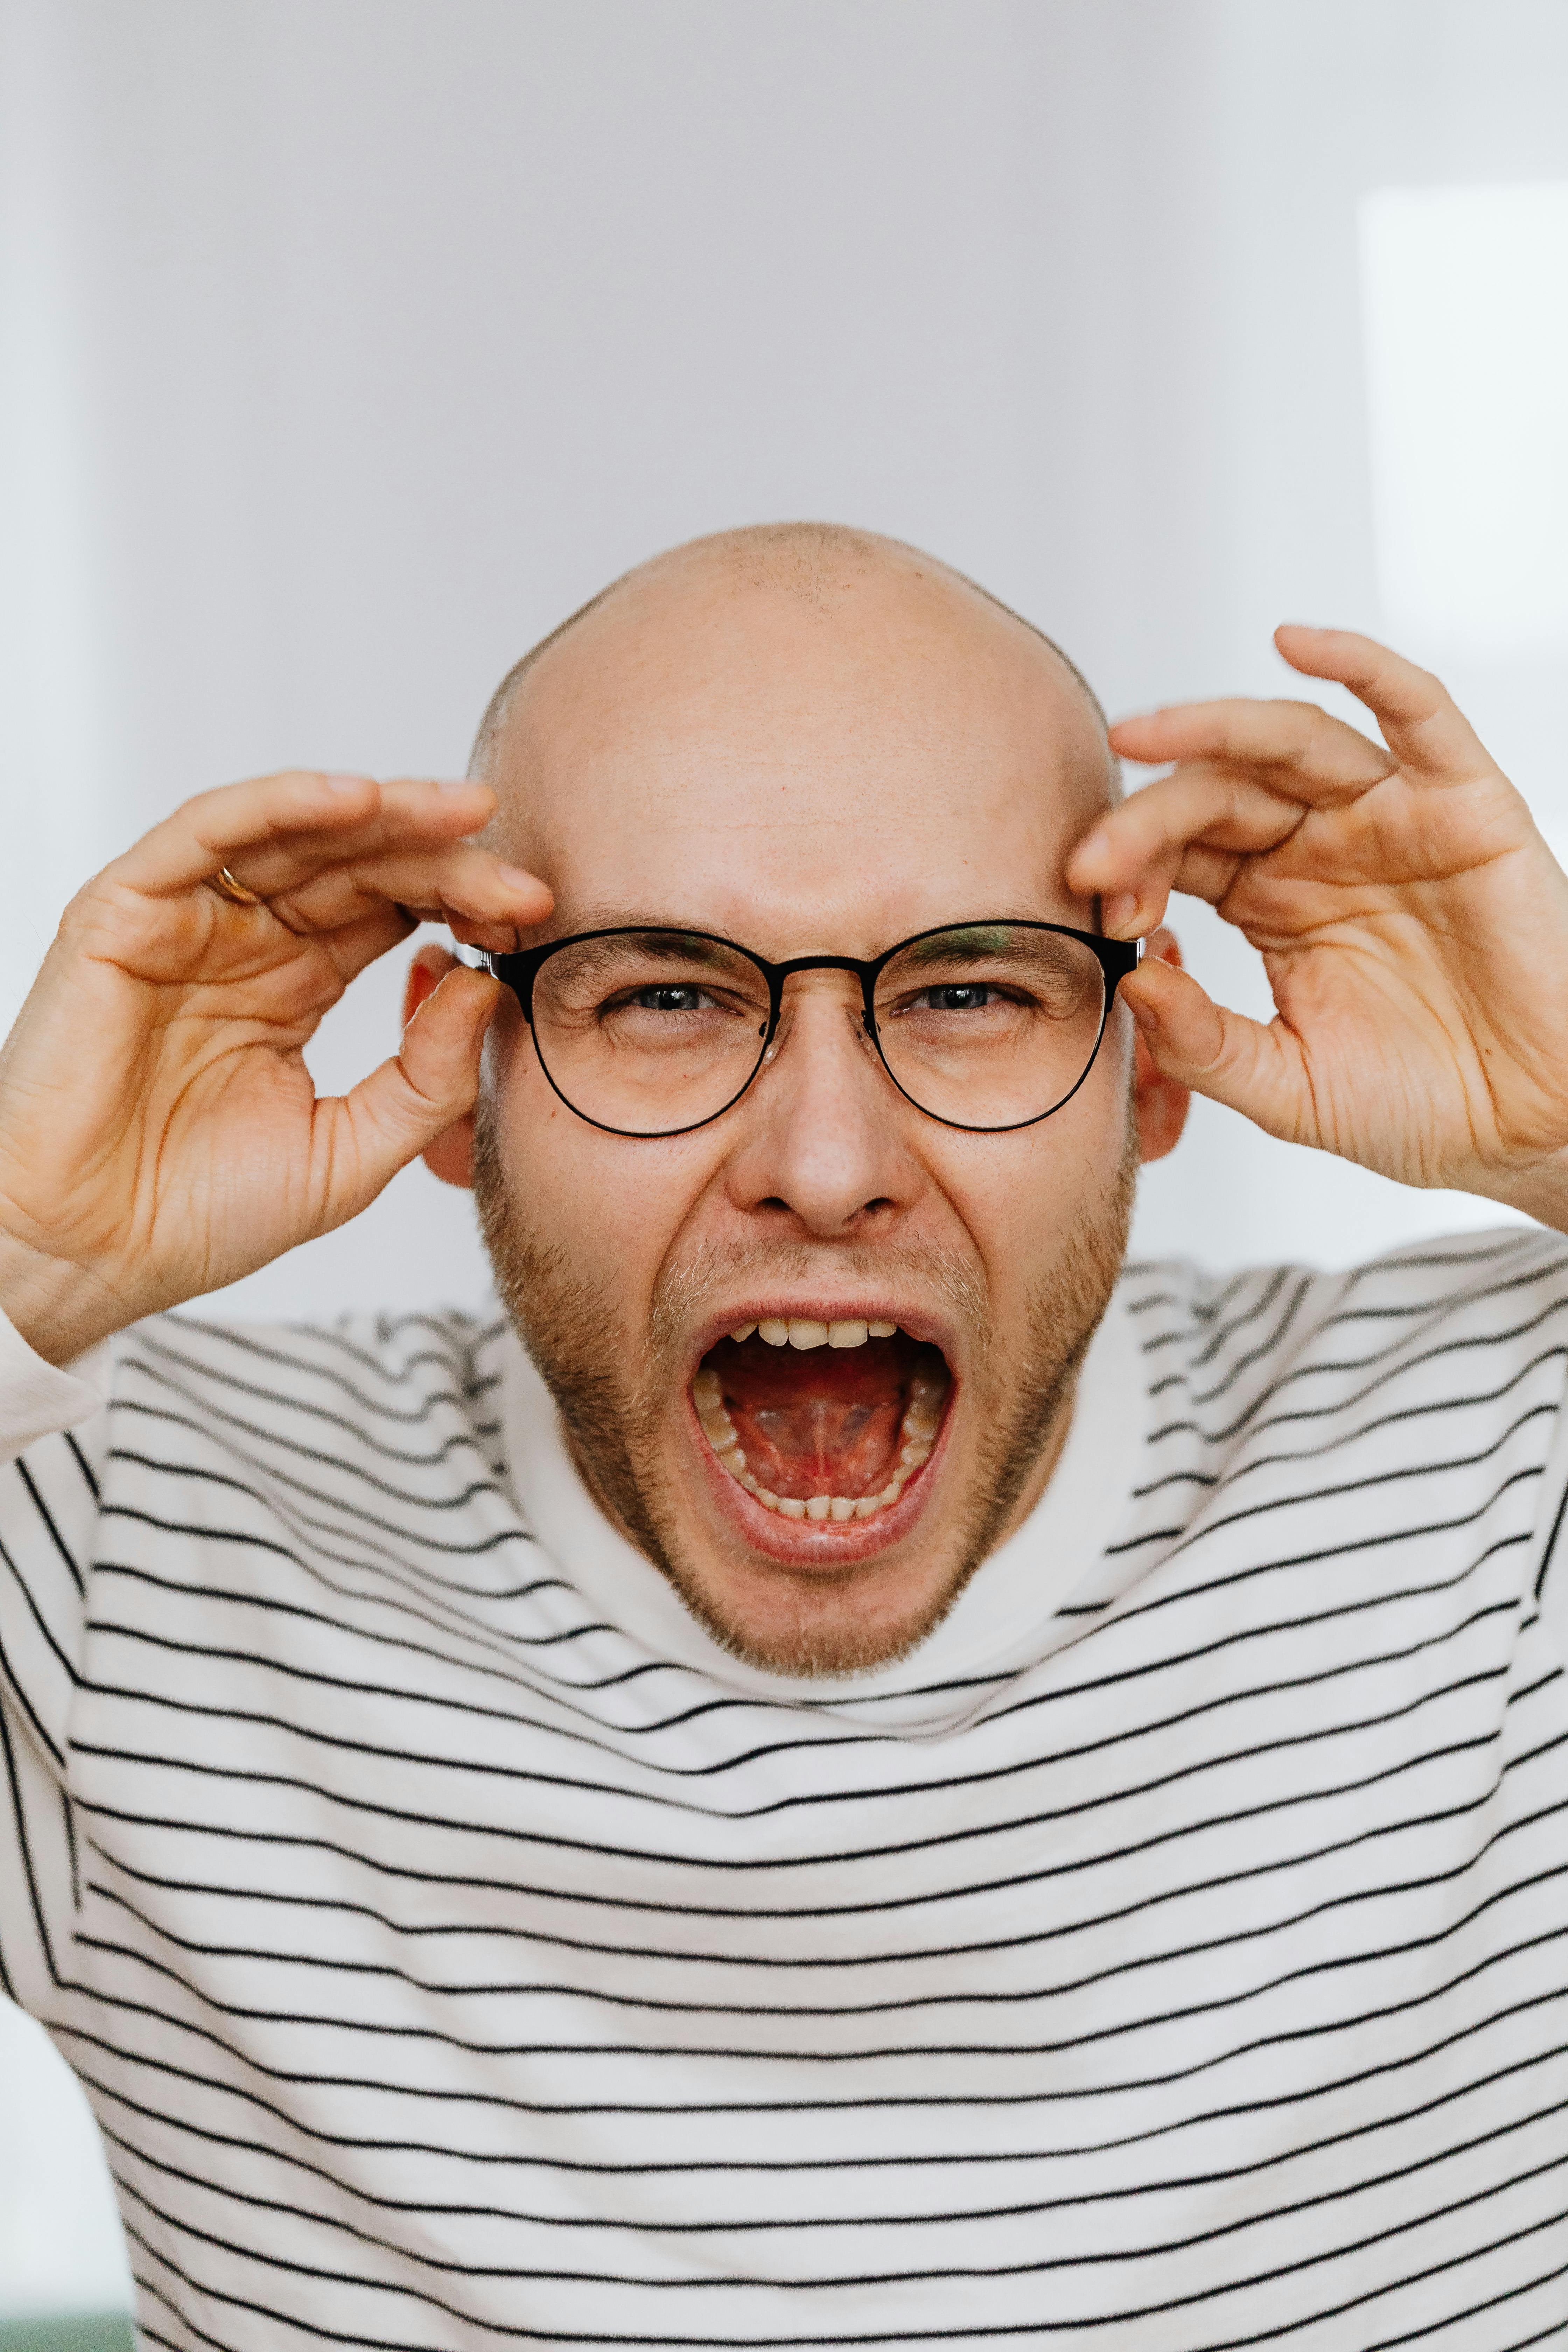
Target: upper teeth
804	1331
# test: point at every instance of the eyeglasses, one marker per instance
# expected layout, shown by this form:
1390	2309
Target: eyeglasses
985	1026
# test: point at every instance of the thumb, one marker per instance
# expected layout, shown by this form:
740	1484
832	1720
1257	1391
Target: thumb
1251	1067
389	1119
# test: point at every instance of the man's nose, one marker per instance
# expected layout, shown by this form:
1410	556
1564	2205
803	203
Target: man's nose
823	1129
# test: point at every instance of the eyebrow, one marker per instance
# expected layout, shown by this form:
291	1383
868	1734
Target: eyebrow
963	939
668	943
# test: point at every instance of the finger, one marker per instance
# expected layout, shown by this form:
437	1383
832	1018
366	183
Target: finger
217	828
1202	874
1415	711
1251	1069
1293	743
407	814
360	1140
1140	849
352	947
459	885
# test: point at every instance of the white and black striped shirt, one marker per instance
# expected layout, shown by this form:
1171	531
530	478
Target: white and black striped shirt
458	1949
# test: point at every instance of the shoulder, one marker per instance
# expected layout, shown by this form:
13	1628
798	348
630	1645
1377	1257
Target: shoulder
375	1376
1465	1318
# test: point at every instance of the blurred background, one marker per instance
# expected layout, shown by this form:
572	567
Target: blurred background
349	345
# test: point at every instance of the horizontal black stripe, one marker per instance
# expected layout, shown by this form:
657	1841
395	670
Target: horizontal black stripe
427	2095
726	2224
1084	1926
1116	2255
1037	2325
1150	1726
1245	1995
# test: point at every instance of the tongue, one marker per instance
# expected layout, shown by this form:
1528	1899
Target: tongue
820	1421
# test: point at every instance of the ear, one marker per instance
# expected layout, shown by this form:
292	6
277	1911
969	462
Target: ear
1160	1104
451	1156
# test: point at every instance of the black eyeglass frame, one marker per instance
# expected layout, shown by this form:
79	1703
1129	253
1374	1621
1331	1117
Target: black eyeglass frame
1116	958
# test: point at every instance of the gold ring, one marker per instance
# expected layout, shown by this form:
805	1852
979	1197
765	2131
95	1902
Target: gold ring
224	883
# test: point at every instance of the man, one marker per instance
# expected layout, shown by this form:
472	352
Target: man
885	1782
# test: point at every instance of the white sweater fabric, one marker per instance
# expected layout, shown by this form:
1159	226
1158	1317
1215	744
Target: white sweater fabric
458	1948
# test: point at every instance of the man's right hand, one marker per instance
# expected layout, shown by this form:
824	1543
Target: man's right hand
159	1134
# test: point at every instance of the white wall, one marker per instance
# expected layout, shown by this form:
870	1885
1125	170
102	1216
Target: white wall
349	344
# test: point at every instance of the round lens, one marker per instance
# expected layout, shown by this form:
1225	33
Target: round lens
649	1032
991	1024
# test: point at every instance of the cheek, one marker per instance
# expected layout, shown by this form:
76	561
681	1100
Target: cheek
611	1205
1025	1198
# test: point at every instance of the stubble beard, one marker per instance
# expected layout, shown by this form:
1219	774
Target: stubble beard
614	1397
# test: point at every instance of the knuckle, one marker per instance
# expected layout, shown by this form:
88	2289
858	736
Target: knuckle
97	904
81	914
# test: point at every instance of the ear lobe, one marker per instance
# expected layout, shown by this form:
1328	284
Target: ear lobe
451	1156
1160	1104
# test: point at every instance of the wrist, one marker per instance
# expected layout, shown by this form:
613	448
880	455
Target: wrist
58	1307
1539	1191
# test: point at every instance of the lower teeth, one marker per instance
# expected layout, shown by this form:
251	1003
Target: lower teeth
917	1432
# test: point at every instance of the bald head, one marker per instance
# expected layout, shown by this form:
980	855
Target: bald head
791	734
820	565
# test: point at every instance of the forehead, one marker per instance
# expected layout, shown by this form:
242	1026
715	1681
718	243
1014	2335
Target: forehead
827	770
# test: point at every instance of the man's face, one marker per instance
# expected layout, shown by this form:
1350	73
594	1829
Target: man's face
828	773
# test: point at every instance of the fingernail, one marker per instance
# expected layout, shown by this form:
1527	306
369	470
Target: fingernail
458	784
345	784
516	879
1143	1013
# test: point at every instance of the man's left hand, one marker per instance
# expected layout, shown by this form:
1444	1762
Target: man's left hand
1412	920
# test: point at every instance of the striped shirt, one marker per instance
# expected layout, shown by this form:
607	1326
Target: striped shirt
458	1949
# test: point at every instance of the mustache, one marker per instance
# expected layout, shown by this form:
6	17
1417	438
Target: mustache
683	1295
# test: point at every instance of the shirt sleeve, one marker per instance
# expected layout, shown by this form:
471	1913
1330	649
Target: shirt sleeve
52	1430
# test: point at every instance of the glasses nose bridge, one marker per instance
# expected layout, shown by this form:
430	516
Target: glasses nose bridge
786	1000
780	974
799	968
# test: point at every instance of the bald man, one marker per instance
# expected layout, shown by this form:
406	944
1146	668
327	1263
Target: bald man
843	1768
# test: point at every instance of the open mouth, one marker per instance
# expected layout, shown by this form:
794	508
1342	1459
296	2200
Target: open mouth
822	1421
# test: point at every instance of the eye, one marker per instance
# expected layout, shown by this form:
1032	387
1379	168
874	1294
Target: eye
959	996
672	996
